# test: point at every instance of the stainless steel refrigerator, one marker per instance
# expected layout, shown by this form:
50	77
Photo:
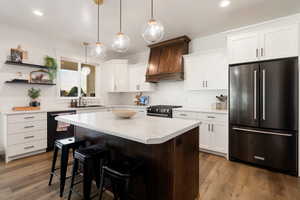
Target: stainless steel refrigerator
263	113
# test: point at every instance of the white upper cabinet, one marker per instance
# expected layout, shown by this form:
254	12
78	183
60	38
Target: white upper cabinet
137	79
266	44
117	75
206	70
243	48
280	43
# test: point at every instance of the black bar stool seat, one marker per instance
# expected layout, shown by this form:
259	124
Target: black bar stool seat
92	159
64	145
120	172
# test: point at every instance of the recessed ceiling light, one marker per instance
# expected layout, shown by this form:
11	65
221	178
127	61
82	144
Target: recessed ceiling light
38	13
224	3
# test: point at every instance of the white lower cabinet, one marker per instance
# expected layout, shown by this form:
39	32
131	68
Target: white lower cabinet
204	137
213	131
23	134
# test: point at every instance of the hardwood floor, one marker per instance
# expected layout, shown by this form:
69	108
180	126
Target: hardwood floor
224	180
27	179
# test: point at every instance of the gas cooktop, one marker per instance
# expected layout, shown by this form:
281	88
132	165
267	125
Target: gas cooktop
161	110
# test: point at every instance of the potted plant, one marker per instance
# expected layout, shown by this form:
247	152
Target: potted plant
52	67
34	94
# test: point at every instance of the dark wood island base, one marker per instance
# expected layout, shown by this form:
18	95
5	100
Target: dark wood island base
171	168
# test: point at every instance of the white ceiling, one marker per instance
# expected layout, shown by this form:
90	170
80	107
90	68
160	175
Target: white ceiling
75	20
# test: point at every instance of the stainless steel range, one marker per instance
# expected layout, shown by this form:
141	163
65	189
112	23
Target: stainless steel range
161	110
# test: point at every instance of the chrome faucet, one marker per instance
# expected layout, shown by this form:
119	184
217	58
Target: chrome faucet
80	101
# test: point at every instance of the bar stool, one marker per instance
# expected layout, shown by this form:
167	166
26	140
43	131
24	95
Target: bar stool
120	174
64	145
91	159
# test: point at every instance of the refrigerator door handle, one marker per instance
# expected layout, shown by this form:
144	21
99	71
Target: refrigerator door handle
264	95
255	94
263	132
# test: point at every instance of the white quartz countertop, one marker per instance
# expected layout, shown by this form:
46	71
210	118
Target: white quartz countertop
203	110
140	128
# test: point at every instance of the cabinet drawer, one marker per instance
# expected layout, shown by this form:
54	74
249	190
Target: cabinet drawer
213	117
27	147
277	151
26	127
26	137
26	117
185	115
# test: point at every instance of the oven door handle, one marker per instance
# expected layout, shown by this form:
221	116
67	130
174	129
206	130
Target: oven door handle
157	114
61	114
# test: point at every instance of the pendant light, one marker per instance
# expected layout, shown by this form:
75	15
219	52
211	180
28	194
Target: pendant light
121	41
153	31
98	50
86	70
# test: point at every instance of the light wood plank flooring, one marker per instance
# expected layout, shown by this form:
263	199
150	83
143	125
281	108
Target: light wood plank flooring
27	179
224	180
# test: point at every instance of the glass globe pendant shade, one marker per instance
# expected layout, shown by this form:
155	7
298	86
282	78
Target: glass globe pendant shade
99	50
121	42
85	71
153	31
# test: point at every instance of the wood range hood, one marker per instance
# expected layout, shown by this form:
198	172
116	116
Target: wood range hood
166	60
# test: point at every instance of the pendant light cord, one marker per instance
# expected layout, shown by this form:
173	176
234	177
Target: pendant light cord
98	37
152	15
85	54
120	16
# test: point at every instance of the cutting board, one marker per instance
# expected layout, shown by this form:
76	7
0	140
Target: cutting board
25	108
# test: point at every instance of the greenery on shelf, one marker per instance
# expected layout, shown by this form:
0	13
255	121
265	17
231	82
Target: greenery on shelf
52	67
34	93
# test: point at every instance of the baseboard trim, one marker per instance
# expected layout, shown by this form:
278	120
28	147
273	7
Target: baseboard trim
213	152
8	159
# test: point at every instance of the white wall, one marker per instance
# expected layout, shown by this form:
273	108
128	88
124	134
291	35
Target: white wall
37	46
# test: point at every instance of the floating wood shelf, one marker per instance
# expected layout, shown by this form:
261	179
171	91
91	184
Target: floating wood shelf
26	65
28	83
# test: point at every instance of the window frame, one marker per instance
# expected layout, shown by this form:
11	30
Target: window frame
80	63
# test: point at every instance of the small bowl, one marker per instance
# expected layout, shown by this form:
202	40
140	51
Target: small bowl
125	114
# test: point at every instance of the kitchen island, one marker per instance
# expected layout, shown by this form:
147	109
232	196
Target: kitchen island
169	148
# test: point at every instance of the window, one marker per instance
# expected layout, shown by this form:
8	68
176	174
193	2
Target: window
73	76
88	79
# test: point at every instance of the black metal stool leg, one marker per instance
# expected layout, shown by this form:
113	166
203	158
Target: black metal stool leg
63	169
97	165
125	192
87	180
53	164
102	182
74	172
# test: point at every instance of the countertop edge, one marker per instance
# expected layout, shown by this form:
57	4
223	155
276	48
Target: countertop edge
148	141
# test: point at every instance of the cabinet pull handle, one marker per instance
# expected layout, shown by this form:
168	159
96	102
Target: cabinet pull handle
263	132
257	53
183	114
29	117
262	52
205	83
29	127
211	117
29	147
28	137
209	127
259	158
212	127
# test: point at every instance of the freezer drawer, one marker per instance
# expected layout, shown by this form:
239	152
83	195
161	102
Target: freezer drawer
275	150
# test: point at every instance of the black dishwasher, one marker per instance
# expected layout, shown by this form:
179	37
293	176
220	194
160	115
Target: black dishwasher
55	132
